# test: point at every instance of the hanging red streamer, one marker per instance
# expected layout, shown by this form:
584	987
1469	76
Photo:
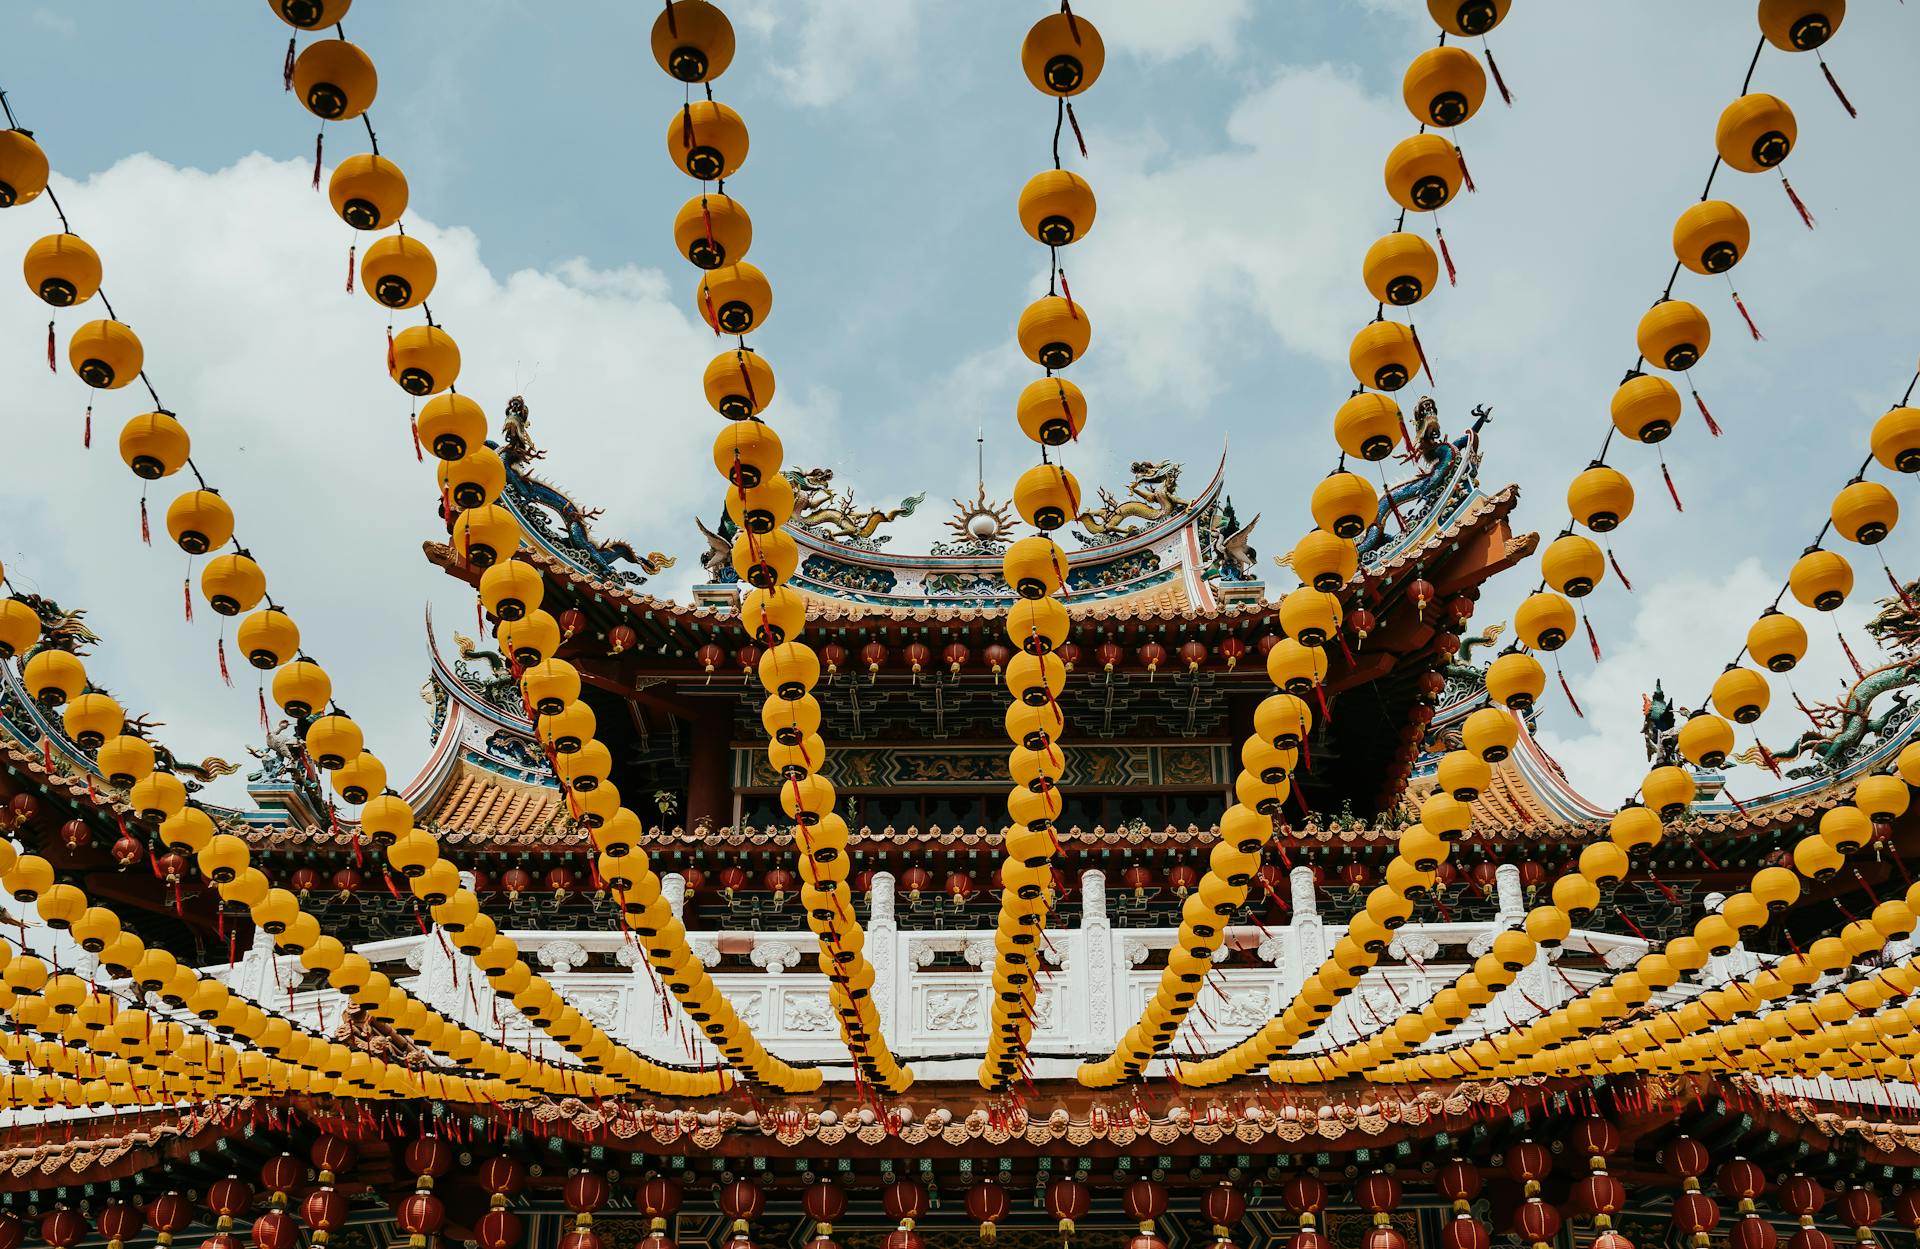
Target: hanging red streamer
286	71
1906	600
1067	293
51	366
319	142
186	599
413	423
146	531
673	27
1466	176
390	360
1453	277
1425	367
1858	671
1835	84
1713	426
1671	490
263	709
1077	136
1798	206
351	249
1767	759
220	650
1617	572
1746	316
1506	96
86	430
1592	639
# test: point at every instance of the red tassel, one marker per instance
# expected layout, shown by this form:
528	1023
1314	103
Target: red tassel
1617	572
263	708
319	141
1425	367
186	599
1858	671
1671	491
46	755
1568	691
1077	136
1453	278
1832	82
1737	806
86	430
713	318
221	651
1406	438
1748	318
286	71
1592	639
1767	759
51	366
351	248
1067	292
1713	427
390	360
673	27
413	423
1506	96
1073	24
1797	205
1905	600
1466	177
146	532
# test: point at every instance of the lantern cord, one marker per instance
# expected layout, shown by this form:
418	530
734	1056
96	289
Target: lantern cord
1834	83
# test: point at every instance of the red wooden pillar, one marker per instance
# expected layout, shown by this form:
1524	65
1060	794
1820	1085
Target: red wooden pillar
710	762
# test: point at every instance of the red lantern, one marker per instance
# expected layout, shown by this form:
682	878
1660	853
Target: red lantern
128	850
1446	645
779	882
1802	1195
120	1222
960	887
1068	1200
915	880
1536	1222
561	881
917	655
1306	1196
1752	1232
1532	876
621	639
347	881
1529	1161
75	834
1420	593
834	657
1383	1236
997	655
1741	1180
1428	686
955	654
173	867
420	1215
497	1229
748	657
1596	1137
740	1201
584	1238
696	880
658	1199
25	807
1809	1238
1194	652
572	621
303	881
904	1201
1146	1201
1233	650
584	1192
1465	1232
1181	878
1223	1206
280	1175
274	1230
325	1211
1139	878
903	1238
710	656
503	1178
1610	1239
1069	654
873	655
1145	1240
429	1155
228	1199
516	881
1109	654
1906	1208
1272	878
1152	654
12	1231
1599	1194
1308	1238
1266	642
1377	1193
1695	1214
824	1203
987	1204
1860	1210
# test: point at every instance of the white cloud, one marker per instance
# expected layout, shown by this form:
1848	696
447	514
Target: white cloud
235	282
1157	31
825	51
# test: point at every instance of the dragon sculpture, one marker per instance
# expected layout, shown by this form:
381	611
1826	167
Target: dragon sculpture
1154	496
1413	500
60	630
1843	728
575	523
817	508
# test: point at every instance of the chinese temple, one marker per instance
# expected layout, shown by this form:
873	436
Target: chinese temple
1277	926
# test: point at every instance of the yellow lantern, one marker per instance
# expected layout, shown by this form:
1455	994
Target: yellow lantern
1755	132
23	168
398	271
424	360
1645	408
1053	331
1309	616
1740	694
1284	720
1296	668
368	192
693	41
1711	236
1576	895
199	521
1056	207
1820	579
91	719
1603	863
53	676
790	670
1545	621
1047	496
1052	411
1468	18
335	80
1384	355
1865	512
1400	269
474	479
550	685
360	777
1846	828
530	639
1815	859
233	584
1800	25
1344	504
735	298
268	638
1444	86
1547	926
332	740
1896	440
1668	790
762	508
1037	626
1777	641
158	796
1062	54
738	383
1514	681
1463	774
1490	732
1573	565
186	831
1600	497
1706	740
62	269
1422	172
449	424
125	759
511	588
1368	425
106	354
707	140
1883	798
1035	567
1673	335
765	560
19	628
486	535
302	688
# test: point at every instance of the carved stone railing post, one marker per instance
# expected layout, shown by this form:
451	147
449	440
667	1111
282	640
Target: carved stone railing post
1309	930
1737	963
1509	894
1091	981
884	953
673	887
452	982
256	975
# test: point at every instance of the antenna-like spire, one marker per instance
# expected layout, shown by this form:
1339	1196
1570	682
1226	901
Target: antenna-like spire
980	458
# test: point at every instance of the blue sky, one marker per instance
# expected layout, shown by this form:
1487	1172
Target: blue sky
1235	149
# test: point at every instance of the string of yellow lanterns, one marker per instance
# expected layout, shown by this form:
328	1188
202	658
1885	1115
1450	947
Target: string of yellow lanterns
1755	133
1062	55
1442	87
155	445
369	192
693	42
